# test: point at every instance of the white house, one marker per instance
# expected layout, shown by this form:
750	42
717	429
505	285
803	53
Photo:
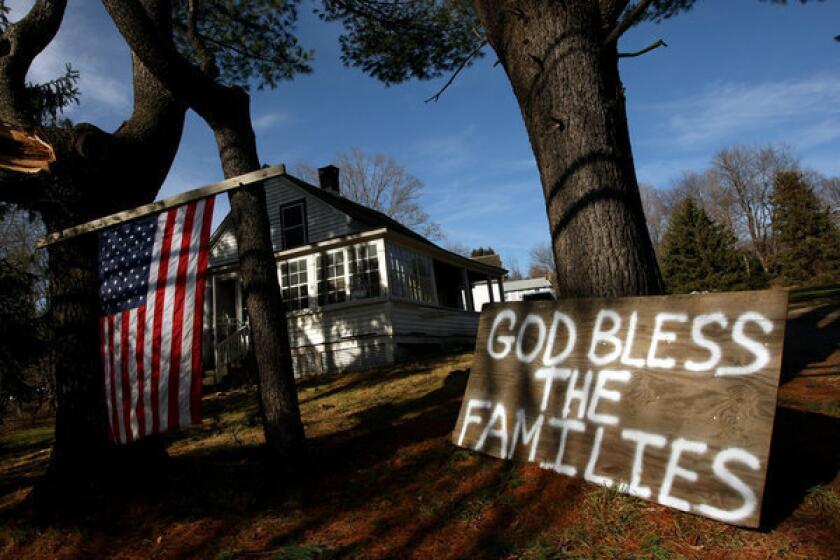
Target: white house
360	288
513	290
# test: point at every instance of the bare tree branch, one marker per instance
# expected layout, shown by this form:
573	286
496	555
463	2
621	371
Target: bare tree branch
463	65
652	46
629	19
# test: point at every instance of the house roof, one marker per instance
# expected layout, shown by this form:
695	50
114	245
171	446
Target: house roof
492	260
375	219
364	215
526	284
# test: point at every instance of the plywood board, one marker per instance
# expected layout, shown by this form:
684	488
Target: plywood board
669	398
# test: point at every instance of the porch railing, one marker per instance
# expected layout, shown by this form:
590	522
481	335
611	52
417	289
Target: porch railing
234	347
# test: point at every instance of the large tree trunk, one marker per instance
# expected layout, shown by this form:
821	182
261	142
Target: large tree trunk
88	181
567	84
258	269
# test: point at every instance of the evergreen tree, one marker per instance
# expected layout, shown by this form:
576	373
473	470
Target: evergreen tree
808	241
481	252
700	254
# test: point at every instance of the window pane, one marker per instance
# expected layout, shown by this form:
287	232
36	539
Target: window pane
333	287
293	225
364	272
294	284
412	276
292	215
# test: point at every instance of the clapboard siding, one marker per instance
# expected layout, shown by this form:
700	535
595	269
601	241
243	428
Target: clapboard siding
223	250
410	319
342	357
338	324
322	220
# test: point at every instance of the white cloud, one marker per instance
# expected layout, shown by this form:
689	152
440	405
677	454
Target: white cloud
783	110
270	120
448	153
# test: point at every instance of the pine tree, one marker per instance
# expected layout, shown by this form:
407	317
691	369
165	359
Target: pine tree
807	239
700	254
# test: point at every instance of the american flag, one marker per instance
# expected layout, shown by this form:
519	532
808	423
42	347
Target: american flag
151	273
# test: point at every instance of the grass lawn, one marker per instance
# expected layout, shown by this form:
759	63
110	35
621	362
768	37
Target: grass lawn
386	483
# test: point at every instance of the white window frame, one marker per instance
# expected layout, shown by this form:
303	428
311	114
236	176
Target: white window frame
296	306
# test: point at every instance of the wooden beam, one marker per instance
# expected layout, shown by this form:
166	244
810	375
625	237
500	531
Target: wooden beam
161	205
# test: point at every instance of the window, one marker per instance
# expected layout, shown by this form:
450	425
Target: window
364	272
332	284
294	283
293	224
412	275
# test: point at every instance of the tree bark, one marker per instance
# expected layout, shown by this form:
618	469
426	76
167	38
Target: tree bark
237	145
567	84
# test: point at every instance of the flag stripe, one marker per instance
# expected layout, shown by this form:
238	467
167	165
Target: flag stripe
115	425
178	316
141	382
124	378
167	294
131	363
106	371
198	316
116	378
190	310
157	342
150	392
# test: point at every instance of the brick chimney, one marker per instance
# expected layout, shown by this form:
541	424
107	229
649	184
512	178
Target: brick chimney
328	178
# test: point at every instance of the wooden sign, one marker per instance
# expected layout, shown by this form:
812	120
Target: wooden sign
670	399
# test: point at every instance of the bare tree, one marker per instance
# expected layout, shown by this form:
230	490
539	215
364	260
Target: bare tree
657	212
542	261
379	182
745	176
828	189
514	272
456	247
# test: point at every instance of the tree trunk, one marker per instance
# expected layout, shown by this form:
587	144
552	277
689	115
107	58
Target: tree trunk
571	98
82	457
258	269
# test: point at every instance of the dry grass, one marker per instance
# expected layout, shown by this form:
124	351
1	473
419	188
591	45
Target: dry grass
385	482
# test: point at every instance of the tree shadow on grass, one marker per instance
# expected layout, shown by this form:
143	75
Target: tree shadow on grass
810	339
372	378
805	453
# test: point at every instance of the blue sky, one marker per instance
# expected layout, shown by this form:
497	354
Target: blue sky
735	71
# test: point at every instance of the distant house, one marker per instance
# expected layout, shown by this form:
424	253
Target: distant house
513	290
360	288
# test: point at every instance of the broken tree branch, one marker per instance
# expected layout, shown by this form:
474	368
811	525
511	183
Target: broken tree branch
23	151
652	46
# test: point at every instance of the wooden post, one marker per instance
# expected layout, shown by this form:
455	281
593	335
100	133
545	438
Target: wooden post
490	289
237	301
500	281
161	205
215	334
469	303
